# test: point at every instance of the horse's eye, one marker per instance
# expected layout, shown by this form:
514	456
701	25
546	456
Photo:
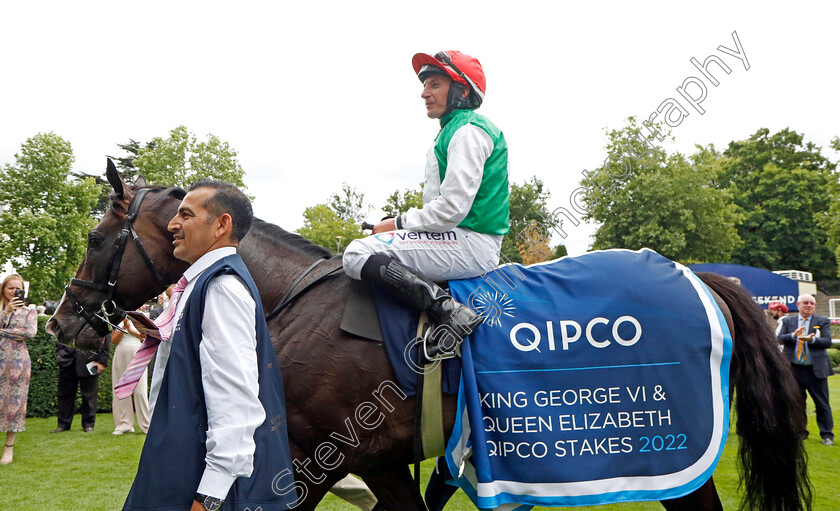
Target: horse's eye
94	240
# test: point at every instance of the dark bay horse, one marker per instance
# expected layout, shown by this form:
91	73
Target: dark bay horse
345	414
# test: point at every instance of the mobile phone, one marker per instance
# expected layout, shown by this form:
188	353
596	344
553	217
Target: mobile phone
92	369
20	294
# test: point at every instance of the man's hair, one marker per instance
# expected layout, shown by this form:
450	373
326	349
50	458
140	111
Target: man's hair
228	199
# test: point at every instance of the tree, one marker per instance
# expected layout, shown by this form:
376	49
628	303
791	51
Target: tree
349	205
182	159
531	222
337	223
125	164
103	199
400	202
644	198
533	247
560	251
786	189
46	215
323	226
830	222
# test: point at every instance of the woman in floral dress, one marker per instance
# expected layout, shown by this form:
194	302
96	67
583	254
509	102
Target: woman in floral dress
17	324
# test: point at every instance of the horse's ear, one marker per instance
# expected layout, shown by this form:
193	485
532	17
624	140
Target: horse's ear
140	182
114	179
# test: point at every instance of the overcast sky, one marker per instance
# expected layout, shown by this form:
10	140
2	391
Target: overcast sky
315	94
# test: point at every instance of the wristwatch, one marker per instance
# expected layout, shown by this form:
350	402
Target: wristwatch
209	503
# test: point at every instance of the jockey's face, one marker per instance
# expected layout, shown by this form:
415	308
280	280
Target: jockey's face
435	92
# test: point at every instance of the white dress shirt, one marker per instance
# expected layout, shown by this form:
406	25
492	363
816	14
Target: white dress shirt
228	373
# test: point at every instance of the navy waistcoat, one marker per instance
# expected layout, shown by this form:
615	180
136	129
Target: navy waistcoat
172	461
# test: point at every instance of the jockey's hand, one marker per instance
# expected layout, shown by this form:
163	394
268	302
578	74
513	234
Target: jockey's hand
387	225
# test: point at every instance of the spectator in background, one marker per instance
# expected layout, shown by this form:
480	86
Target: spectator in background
775	312
160	303
79	370
17	324
806	337
124	409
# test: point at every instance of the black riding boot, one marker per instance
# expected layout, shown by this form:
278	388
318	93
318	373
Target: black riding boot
453	321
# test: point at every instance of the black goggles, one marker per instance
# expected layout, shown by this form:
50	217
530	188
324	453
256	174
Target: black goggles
446	59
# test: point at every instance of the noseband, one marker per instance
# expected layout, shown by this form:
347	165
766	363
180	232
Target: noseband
109	315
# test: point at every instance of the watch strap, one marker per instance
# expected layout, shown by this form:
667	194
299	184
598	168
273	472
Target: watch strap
209	503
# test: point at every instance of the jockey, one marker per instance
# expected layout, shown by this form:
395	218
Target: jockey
466	204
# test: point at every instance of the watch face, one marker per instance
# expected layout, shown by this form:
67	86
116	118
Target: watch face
209	503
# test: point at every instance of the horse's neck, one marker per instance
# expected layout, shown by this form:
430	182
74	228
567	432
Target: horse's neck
274	264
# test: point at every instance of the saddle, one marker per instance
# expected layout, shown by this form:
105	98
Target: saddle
360	317
371	313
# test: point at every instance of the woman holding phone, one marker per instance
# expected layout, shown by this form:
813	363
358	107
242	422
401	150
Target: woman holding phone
17	324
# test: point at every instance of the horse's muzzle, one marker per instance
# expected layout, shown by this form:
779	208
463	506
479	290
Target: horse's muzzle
86	339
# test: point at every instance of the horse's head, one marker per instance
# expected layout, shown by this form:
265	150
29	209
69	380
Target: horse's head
128	261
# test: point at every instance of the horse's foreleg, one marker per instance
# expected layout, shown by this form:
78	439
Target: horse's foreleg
394	488
704	498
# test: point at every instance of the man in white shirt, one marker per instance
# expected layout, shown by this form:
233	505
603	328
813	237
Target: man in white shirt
210	375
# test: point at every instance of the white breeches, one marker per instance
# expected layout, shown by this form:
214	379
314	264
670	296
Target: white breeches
440	256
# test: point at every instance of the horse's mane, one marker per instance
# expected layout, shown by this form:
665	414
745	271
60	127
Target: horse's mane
276	233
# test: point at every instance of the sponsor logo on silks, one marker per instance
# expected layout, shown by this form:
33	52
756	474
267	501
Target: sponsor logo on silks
491	306
386	238
448	237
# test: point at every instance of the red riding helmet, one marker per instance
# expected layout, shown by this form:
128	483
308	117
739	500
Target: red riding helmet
459	66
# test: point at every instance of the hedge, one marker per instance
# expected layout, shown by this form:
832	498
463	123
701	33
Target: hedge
44	382
834	356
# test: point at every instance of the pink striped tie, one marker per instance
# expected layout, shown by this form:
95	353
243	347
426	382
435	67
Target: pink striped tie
128	381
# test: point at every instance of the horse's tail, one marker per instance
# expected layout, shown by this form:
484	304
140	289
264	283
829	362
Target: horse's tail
769	408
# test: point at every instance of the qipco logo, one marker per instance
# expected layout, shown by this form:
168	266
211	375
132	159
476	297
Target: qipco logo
599	333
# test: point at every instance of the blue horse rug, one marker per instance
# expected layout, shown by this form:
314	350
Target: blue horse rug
595	379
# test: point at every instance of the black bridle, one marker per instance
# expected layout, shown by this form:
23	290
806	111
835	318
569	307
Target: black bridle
109	315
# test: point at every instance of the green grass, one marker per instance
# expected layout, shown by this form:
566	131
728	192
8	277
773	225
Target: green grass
93	471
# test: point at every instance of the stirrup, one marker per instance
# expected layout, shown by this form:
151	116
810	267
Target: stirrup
442	354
